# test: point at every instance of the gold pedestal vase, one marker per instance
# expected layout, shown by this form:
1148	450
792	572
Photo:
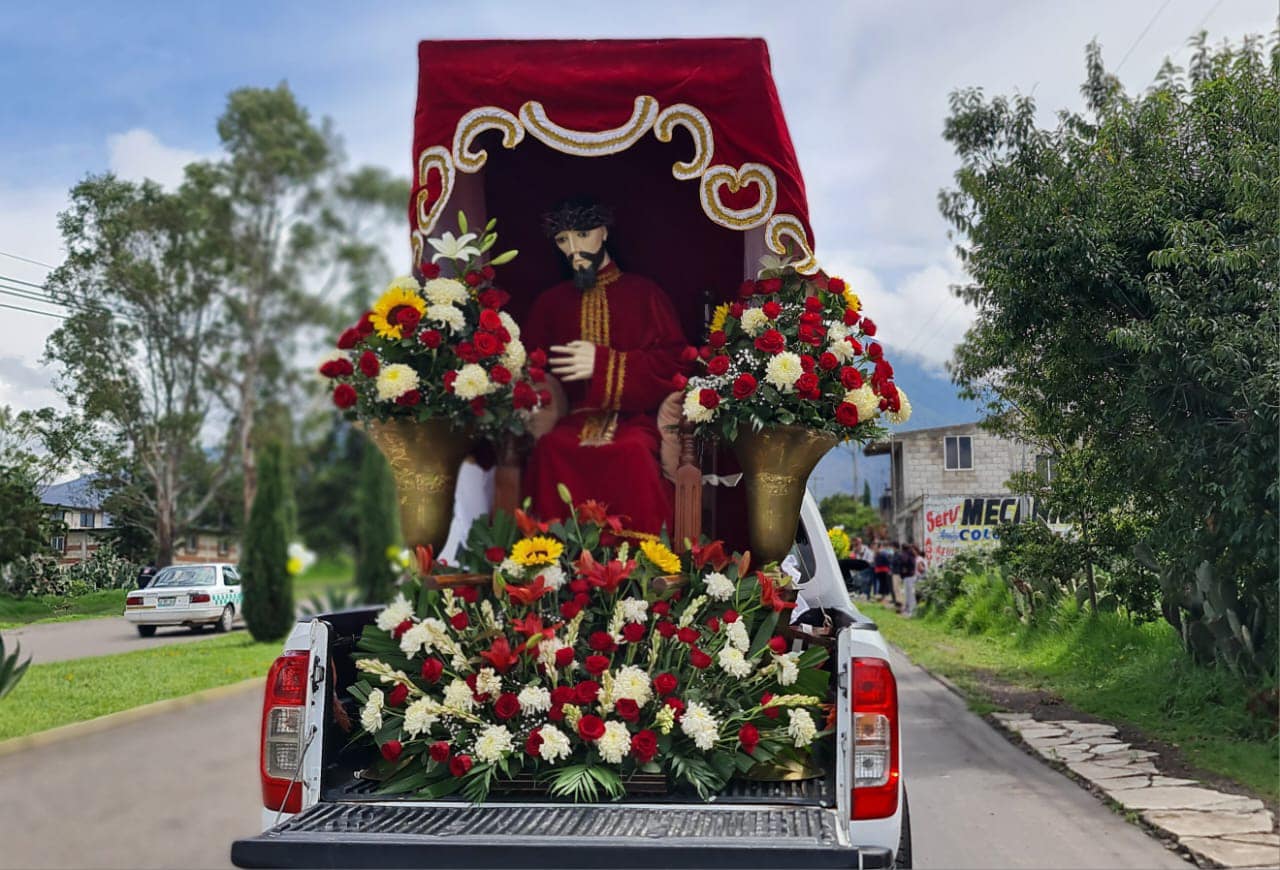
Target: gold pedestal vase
424	458
776	463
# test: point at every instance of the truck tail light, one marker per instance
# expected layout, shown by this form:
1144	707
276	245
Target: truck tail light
282	731
876	768
199	598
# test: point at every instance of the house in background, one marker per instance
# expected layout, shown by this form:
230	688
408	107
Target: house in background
947	487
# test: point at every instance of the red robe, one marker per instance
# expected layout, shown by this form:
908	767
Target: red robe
606	448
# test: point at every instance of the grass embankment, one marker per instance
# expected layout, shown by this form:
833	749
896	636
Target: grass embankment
1106	666
57	608
61	693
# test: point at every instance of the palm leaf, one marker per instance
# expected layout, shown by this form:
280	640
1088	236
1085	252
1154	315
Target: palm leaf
10	671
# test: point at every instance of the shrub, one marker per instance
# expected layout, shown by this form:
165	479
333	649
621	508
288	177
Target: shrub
37	574
268	589
376	510
104	569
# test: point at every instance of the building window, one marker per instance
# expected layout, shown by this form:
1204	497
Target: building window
958	450
86	519
59	544
1044	467
193	543
224	546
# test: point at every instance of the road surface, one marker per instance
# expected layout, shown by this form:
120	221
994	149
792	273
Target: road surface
59	641
141	796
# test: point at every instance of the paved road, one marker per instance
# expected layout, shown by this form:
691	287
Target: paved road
138	796
59	641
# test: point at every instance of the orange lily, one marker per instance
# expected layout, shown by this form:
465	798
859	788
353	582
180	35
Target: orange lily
597	512
500	655
712	553
527	595
608	576
529	526
426	559
770	595
531	626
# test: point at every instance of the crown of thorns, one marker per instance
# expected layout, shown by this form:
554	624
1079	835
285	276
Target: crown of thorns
576	214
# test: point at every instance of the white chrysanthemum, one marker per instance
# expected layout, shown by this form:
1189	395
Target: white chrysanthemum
837	333
371	715
534	699
514	355
842	351
635	610
547	651
509	324
493	743
395	613
395	380
719	587
694	411
472	381
903	414
552	576
447	315
511	569
445	291
420	716
404	283
784	370
734	663
615	743
753	320
801	728
788	670
865	400
458	696
737	633
555	745
632	682
700	726
488	682
425	636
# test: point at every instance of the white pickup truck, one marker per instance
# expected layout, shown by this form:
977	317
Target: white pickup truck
317	812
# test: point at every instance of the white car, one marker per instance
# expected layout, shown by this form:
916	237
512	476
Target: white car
190	595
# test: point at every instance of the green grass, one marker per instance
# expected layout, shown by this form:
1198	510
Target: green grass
336	572
72	691
1107	666
55	608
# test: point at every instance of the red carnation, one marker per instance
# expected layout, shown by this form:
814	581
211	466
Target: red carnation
400	629
850	378
828	361
544	396
689	354
688	635
556	713
487	344
771	341
348	339
344	395
533	743
369	363
679	381
633	632
644	746
627	709
677	705
708	398
665	683
743	386
447	379
364	326
771	712
430	338
537	375
459	620
500	375
806	362
847	414
469	594
488	273
713	623
601	641
337	368
472	278
717	338
391	750
432	668
477	405
698	658
570	609
596	665
771	309
661	608
538	358
586	692
460	765
429	271
666	629
730	616
718	365
524	397
409	398
439	752
590	727
868	326
736	310
397	696
506	706
778	644
564	657
749	737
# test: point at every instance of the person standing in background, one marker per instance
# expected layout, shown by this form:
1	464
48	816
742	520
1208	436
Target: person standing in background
921	567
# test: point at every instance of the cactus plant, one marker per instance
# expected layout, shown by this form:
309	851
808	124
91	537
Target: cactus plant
10	671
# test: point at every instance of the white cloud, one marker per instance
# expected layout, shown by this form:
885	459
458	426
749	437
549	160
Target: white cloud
138	154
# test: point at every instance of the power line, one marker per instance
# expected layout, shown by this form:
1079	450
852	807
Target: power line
20	281
34	311
1141	35
26	260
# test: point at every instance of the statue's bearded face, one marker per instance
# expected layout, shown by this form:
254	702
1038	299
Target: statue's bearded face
585	251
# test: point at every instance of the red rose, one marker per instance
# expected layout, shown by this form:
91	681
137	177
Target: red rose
439	752
460	765
875	351
556	713
590	727
736	310
828	361
397	696
564	657
459	620
400	629
698	658
771	341
601	641
391	750
679	381
533	742
884	371
806	362
337	368
868	326
432	668
813	335
488	273
644	746
689	354
500	375
495	554
348	339
714	624
369	363
770	285
472	278
633	632
708	398
430	338
409	398
477	405
407	316
718	365
778	644
429	271
747	288
661	608
537	375
666	629
749	737
627	709
847	414
486	344
364	326
677	705
570	609
851	317
506	706
688	635
665	683
469	594
771	309
807	385
538	358
717	338
855	344
490	320
836	285
850	378
743	386
491	299
524	396
812	303
544	396
586	692
563	695
344	395
596	665
771	712
447	379
730	616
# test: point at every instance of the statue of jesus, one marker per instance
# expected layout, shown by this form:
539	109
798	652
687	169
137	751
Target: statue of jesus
615	346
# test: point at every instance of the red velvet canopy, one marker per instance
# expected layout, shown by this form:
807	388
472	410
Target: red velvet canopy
684	138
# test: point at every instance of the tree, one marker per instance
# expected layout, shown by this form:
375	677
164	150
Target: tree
842	509
268	589
1123	267
377	525
329	467
26	463
866	493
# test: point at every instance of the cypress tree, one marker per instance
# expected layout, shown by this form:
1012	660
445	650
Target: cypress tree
866	493
377	526
268	589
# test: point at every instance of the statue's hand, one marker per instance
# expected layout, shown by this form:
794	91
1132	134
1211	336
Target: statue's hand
575	361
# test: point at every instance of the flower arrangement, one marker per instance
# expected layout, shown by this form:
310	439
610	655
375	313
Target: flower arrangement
587	659
839	541
794	350
440	347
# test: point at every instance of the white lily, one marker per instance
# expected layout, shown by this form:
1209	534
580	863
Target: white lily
454	249
770	263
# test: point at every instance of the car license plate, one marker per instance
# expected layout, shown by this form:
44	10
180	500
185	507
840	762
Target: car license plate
165	602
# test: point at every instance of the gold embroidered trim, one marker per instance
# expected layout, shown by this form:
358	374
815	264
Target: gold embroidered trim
621	381
590	144
735	179
606	401
696	123
598	429
437	158
788	225
472	124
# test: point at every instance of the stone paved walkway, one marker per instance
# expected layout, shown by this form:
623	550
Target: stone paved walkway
1218	829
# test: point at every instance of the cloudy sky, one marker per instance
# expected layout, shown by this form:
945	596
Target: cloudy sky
135	88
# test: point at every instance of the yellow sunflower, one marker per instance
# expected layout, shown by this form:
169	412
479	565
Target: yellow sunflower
537	551
402	293
657	553
851	300
719	316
